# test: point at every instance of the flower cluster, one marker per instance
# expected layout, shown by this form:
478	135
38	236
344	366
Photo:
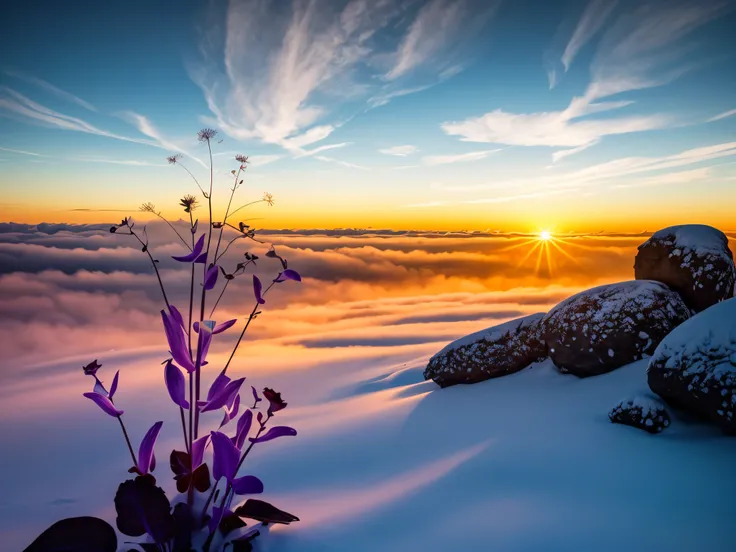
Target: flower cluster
206	516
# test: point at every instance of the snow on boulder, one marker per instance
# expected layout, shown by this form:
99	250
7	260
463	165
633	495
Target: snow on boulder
601	329
693	259
490	353
642	413
694	368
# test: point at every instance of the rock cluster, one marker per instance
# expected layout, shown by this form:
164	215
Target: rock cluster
641	413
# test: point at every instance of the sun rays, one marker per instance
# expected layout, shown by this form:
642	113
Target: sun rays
543	247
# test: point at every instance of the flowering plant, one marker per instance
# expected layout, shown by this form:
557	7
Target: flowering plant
203	516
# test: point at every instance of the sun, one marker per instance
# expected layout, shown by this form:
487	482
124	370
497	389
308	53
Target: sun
544	235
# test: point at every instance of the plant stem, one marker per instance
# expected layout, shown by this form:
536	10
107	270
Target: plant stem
127	440
184	429
227	211
155	268
220	297
174	229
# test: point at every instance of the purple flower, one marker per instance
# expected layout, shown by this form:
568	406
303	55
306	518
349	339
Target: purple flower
273	433
276	403
210	279
225	464
288	274
146	457
194	254
206	328
104	403
244	423
248	484
256	398
219	328
91	368
177	342
198	448
257	289
175	384
114	385
222	396
176	315
231	410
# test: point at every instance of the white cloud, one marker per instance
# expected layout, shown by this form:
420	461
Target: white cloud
51	88
683	177
117	162
723	115
399	151
595	15
341	163
307	153
22	152
433	160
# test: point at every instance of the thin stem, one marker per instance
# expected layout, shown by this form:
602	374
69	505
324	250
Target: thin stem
228	247
174	229
193	178
209	498
155	268
227	211
192	406
127	440
252	315
247	205
184	429
220	297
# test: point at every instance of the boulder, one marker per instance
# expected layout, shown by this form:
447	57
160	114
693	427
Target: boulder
694	368
606	327
641	413
490	353
693	259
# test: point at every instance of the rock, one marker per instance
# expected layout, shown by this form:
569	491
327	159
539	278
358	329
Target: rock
641	413
606	327
490	353
693	259
694	368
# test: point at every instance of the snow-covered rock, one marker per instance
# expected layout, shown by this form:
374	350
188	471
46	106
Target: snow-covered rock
641	412
490	353
692	259
694	367
601	329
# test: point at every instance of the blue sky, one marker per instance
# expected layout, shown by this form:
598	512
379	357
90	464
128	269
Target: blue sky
403	113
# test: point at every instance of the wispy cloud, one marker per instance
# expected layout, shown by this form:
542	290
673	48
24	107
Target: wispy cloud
682	177
314	151
723	115
339	162
51	88
638	51
595	15
130	162
400	151
22	152
261	160
433	160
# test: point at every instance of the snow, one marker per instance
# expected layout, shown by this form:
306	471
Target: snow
698	238
385	461
492	333
710	335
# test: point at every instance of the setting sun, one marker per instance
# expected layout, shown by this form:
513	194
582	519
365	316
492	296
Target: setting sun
544	235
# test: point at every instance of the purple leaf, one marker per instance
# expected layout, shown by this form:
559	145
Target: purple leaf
194	226
114	386
202	259
178	318
288	274
210	279
248	484
223	396
244	423
177	342
146	458
198	448
231	410
226	457
205	338
257	289
256	398
99	388
104	403
224	326
273	433
218	514
190	258
175	384
218	385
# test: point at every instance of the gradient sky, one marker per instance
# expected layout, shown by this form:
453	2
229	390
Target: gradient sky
443	114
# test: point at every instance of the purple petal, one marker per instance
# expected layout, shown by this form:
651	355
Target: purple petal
248	484
176	384
226	457
177	343
198	448
218	385
244	423
231	410
205	338
290	274
223	396
114	386
218	514
193	254
210	279
256	398
178	318
202	259
275	432
224	326
146	459
99	388
194	226
104	403
257	289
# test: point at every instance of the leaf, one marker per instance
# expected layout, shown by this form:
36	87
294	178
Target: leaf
264	512
142	508
201	478
80	534
231	523
183	527
243	543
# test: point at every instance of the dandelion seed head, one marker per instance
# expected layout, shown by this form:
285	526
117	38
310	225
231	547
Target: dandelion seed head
241	158
268	198
173	159
148	207
189	202
206	134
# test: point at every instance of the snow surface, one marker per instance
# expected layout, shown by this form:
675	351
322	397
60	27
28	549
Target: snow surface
698	238
492	333
384	461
